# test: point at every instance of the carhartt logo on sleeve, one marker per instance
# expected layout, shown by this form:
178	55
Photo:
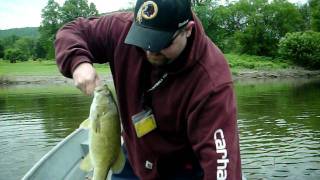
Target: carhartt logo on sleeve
221	149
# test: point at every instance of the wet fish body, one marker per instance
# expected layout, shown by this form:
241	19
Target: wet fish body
104	134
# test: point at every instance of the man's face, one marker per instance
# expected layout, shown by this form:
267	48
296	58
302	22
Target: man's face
171	52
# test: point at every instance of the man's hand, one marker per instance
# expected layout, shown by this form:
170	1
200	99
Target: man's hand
86	78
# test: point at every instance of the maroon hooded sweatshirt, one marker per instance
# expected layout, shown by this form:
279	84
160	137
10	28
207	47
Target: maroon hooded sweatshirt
194	107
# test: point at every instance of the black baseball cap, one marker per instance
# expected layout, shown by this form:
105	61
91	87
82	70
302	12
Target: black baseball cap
156	21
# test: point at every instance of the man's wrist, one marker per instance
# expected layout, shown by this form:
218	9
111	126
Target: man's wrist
80	60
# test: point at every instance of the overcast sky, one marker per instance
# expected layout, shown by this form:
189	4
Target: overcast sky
27	13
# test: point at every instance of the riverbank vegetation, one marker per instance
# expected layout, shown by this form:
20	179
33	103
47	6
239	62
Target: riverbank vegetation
257	27
238	64
37	68
254	34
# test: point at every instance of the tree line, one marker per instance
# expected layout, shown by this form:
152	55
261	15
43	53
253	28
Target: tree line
54	16
25	32
254	27
278	28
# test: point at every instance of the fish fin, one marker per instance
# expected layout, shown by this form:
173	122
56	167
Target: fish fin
118	165
85	124
85	164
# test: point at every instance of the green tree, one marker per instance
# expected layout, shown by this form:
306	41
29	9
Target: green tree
302	48
230	20
204	12
305	12
51	20
315	14
27	46
54	16
267	23
283	17
14	55
39	51
72	9
9	41
214	19
50	24
249	26
1	50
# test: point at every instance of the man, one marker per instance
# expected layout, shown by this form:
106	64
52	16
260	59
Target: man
174	89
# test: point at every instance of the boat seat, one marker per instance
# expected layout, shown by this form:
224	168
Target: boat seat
85	146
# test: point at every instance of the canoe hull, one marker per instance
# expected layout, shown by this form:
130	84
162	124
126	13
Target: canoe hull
62	162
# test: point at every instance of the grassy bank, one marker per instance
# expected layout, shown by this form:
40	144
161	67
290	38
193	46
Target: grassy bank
240	63
237	63
242	67
36	68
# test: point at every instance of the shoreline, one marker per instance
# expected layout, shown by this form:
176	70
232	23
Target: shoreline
275	74
239	75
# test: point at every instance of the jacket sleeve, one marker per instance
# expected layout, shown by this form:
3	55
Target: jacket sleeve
213	134
84	40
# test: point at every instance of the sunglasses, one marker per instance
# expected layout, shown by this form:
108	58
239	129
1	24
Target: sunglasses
178	32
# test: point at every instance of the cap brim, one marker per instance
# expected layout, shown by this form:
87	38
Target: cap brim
148	39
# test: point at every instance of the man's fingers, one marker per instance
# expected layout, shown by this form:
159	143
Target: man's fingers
90	88
86	87
85	78
81	86
98	81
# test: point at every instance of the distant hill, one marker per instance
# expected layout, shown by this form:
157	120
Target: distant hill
31	32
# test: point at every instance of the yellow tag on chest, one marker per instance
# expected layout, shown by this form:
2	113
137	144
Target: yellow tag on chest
144	122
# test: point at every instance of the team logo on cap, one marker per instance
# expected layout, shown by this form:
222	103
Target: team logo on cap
148	10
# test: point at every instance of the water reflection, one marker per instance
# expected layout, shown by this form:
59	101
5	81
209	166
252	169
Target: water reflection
280	129
33	120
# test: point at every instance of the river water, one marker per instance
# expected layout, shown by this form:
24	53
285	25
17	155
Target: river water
279	125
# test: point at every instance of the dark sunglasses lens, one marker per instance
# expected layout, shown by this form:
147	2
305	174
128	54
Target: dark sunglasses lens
172	39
